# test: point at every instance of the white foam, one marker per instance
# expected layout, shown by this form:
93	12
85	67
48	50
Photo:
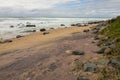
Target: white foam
19	24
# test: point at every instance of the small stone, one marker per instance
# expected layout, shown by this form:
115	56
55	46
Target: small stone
19	36
68	51
78	52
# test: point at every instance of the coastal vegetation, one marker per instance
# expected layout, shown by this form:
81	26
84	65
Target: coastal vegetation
112	31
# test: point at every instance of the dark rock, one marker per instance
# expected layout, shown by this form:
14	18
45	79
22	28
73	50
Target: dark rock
73	24
19	36
101	50
11	26
98	44
62	25
115	62
87	30
34	30
78	52
82	78
43	29
30	25
44	33
51	28
93	42
90	67
6	41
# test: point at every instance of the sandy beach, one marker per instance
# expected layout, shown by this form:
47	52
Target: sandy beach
36	56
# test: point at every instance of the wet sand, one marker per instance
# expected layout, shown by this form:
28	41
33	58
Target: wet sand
44	57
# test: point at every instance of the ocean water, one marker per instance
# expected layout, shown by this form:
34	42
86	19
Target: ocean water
20	24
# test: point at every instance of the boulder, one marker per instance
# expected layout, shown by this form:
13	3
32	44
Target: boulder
87	30
19	36
43	29
62	25
73	24
101	50
29	25
11	26
82	78
90	67
78	52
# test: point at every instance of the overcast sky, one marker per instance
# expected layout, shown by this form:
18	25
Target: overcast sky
59	8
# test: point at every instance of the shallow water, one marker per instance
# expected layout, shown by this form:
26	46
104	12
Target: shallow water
19	24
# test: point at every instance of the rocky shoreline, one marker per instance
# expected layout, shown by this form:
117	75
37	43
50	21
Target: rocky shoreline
73	53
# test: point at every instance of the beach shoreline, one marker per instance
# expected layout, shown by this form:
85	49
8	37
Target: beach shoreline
38	38
46	55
